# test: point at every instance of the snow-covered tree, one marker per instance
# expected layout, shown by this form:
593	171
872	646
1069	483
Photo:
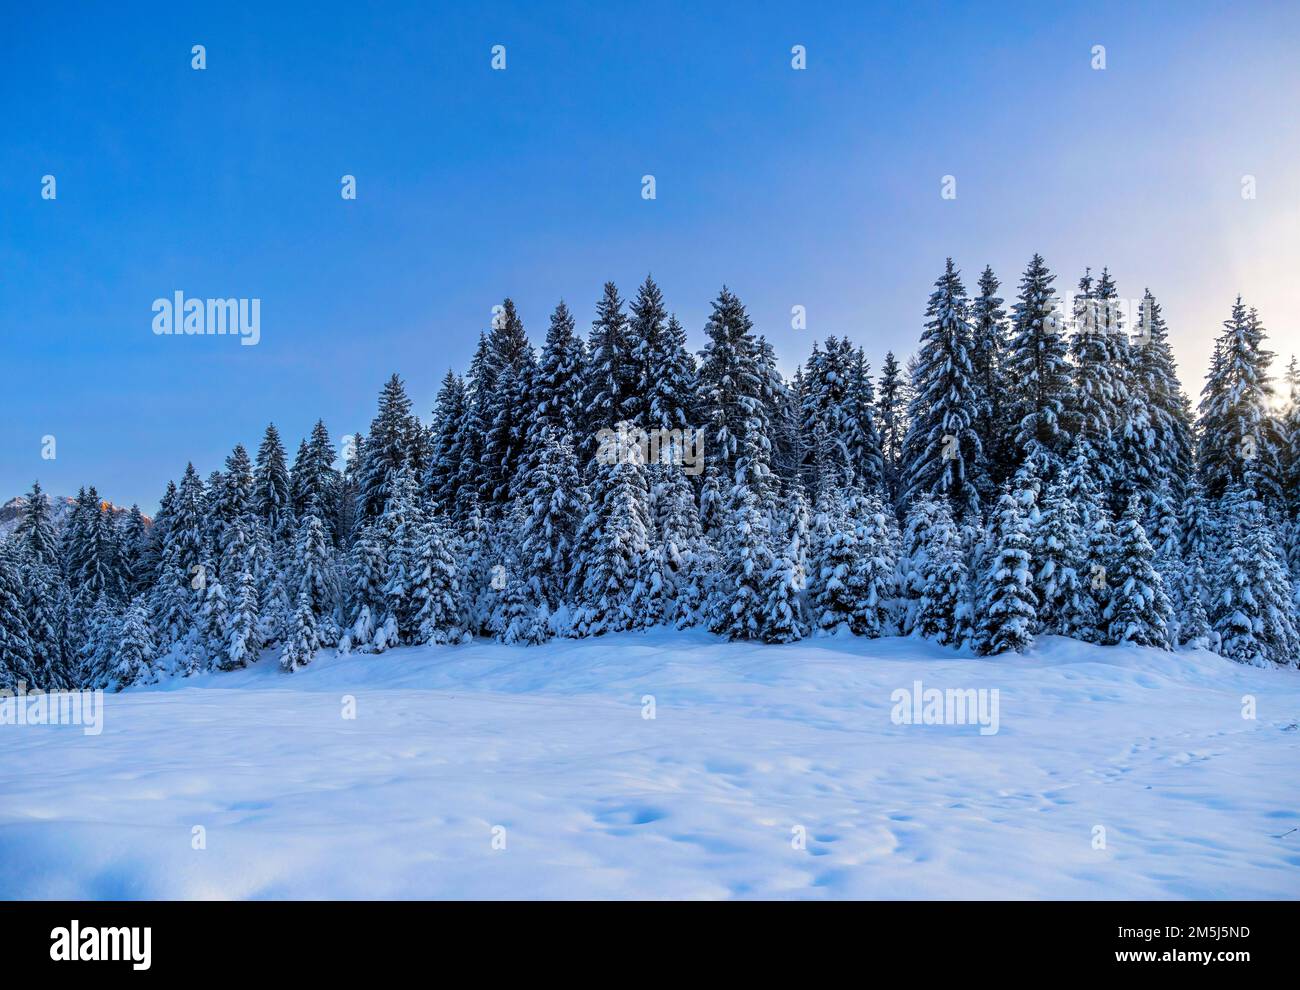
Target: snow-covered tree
1139	610
272	493
1008	608
943	453
943	611
611	572
134	649
301	644
559	375
835	552
739	610
1253	606
1036	371
1059	549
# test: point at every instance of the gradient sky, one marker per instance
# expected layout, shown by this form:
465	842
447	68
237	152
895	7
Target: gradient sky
819	188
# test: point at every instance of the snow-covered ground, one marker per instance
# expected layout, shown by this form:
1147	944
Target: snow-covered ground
750	748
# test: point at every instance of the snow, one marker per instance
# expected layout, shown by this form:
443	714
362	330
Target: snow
748	743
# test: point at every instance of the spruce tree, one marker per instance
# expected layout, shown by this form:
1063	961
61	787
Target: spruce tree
988	355
1252	609
1037	373
442	480
554	504
747	567
835	552
942	452
560	375
435	585
1008	608
301	644
731	394
272	495
609	392
674	399
35	529
943	612
1066	606
17	660
616	539
1235	428
387	449
872	577
891	418
134	649
1139	609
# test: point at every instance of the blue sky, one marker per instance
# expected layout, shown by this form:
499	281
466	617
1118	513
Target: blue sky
818	188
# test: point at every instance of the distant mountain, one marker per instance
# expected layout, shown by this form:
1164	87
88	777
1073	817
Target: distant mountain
60	512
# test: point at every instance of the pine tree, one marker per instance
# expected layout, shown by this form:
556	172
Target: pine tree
554	503
387	449
647	326
435	585
1155	376
560	374
891	417
911	567
1253	607
731	395
442	480
367	574
872	578
240	642
315	479
746	564
826	414
17	661
683	548
35	530
301	645
272	496
674	398
401	526
313	567
1066	606
1036	371
518	615
943	613
942	452
616	535
862	438
1235	429
988	356
135	651
1166	538
1099	397
505	444
783	585
834	556
183	569
214	621
609	393
1139	609
1008	607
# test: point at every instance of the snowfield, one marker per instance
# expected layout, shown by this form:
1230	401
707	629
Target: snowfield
456	752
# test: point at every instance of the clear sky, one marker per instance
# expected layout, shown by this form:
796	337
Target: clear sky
818	188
